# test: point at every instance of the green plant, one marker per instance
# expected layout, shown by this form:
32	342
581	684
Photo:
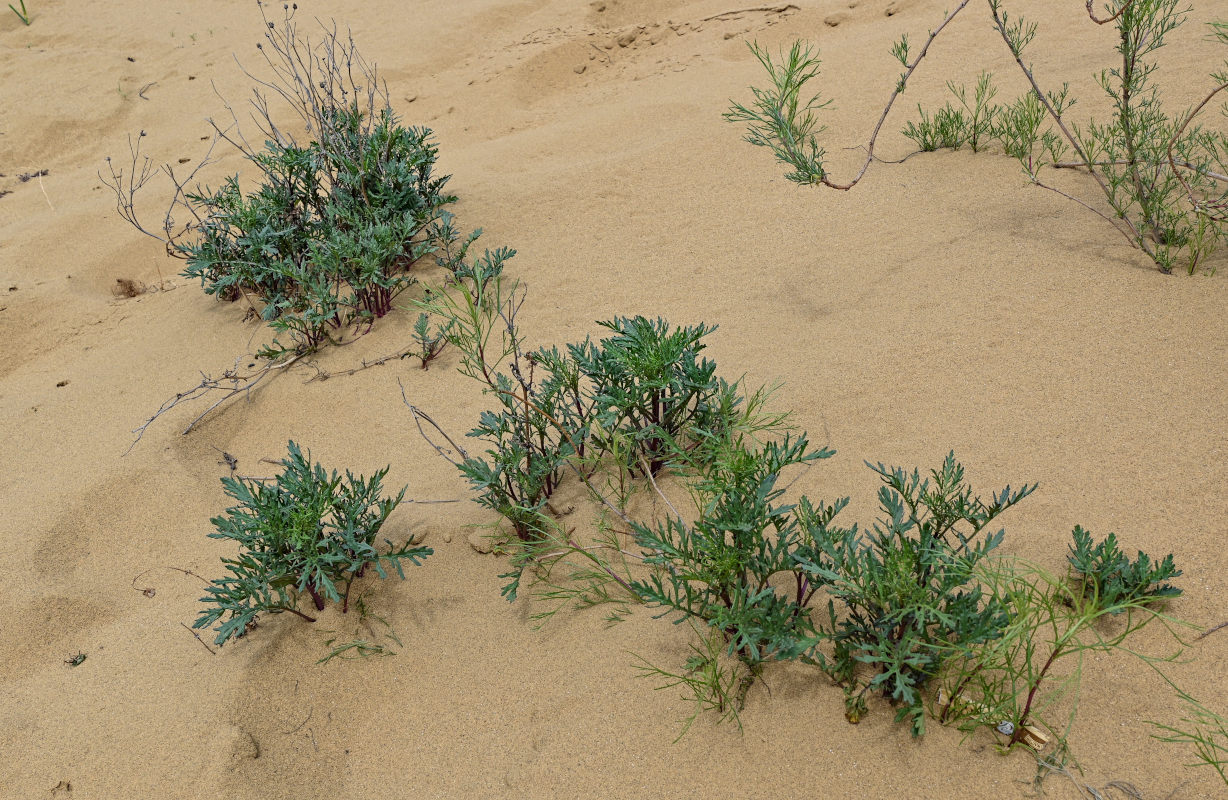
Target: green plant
22	15
1161	176
1203	730
430	343
720	568
538	418
907	588
304	532
1012	683
947	129
712	683
648	384
326	240
1110	578
365	641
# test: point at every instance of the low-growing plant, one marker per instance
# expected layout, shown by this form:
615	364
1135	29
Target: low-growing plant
649	384
538	421
711	682
1201	729
907	592
326	240
1109	578
720	568
334	224
365	641
304	532
1162	177
430	343
1014	681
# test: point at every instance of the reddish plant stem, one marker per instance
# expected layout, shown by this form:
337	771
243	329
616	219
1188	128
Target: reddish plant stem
1021	727
316	598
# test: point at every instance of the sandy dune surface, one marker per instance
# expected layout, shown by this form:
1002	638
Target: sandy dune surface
942	304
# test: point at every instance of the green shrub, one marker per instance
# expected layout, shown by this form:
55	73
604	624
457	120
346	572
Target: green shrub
1016	682
648	383
907	593
1110	578
720	568
304	532
1162	177
327	237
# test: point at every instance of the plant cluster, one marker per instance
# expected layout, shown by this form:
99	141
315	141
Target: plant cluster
1012	682
1162	176
1110	578
903	602
903	595
920	597
327	238
305	532
631	401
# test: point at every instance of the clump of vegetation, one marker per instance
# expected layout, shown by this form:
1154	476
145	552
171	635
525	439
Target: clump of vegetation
327	238
907	595
1109	578
914	600
1163	177
720	568
1015	681
305	532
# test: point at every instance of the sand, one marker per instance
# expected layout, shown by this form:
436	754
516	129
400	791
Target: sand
942	304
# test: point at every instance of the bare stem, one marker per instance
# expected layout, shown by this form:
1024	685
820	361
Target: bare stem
910	68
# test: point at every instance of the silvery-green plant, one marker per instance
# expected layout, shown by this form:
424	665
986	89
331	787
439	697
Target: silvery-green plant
306	532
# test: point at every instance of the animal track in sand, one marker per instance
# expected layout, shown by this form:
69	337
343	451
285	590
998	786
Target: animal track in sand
549	60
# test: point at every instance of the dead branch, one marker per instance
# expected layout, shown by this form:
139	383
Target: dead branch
1211	630
125	184
232	382
780	9
1092	13
419	415
323	375
202	641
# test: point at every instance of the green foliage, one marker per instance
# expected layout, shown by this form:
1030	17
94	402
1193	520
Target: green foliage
327	239
22	15
305	531
648	384
719	568
1162	176
1203	730
946	129
430	342
365	641
1015	682
779	120
907	591
1109	578
711	682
